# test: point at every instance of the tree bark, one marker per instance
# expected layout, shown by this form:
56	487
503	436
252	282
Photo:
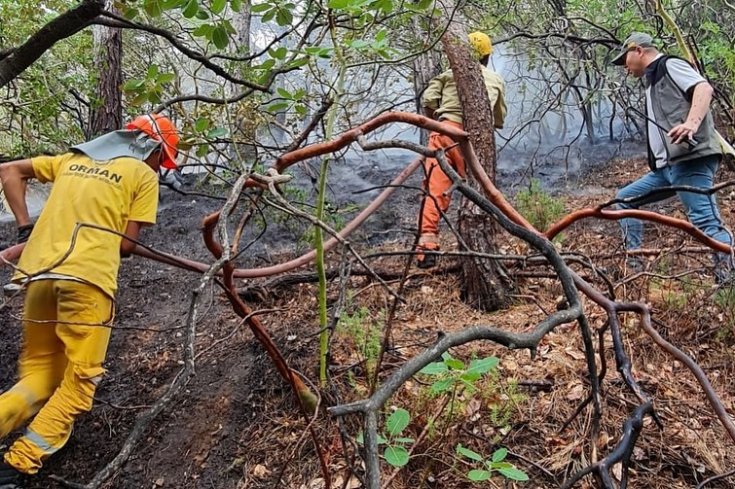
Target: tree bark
425	67
486	284
106	110
242	22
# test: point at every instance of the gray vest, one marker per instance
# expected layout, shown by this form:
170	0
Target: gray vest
670	107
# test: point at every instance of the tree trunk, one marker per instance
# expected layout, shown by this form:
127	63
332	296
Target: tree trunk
243	129
486	284
425	67
106	110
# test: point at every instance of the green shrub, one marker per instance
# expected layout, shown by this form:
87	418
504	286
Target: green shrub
538	207
365	332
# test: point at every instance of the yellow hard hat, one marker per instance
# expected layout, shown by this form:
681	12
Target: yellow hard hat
481	43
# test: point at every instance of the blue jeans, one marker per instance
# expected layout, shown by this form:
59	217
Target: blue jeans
701	209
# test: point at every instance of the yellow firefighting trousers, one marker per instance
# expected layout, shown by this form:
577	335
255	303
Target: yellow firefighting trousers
60	365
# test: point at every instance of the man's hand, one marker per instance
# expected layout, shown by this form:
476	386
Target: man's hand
683	132
24	232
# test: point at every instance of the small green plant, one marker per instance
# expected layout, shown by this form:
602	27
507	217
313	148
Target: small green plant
496	463
724	298
366	334
452	373
502	399
540	208
674	300
395	452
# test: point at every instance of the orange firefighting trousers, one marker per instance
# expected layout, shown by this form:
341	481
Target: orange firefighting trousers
59	368
436	183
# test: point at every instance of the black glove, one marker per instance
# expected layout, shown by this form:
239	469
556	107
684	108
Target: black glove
24	232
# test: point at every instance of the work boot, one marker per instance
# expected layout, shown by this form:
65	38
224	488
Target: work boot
724	274
635	264
426	261
10	478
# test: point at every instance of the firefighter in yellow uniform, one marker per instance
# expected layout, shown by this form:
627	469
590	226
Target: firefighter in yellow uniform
441	101
69	266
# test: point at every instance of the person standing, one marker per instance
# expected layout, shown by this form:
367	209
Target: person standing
441	101
102	190
683	146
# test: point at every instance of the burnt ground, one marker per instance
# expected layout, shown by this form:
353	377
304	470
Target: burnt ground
237	426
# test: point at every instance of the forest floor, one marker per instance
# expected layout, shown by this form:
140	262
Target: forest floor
237	425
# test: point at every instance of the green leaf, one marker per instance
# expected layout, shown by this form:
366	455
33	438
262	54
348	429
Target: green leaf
469	377
204	30
300	110
220	38
403	439
500	455
133	85
360	438
278	106
172	4
359	44
153	8
236	5
284	17
454	364
381	440
261	7
191	9
279	53
165	78
202	124
154	96
380	36
202	14
338	4
385	6
130	12
397	422
325	53
202	150
152	72
514	474
228	26
483	365
267	64
467	453
140	99
478	475
217	132
396	456
218	6
441	386
435	368
298	63
284	93
268	16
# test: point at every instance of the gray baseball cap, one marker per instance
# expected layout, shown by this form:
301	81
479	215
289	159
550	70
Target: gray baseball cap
634	40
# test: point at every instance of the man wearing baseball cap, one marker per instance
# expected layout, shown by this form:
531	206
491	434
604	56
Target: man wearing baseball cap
683	146
104	191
